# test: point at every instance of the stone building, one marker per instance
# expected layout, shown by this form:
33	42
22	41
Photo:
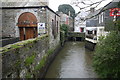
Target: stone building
66	19
94	25
22	22
100	22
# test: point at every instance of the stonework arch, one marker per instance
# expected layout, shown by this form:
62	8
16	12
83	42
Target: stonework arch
18	13
27	24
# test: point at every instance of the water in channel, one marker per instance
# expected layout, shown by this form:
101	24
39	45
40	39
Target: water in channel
73	61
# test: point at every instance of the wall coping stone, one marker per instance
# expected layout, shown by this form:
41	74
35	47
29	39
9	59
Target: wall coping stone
20	44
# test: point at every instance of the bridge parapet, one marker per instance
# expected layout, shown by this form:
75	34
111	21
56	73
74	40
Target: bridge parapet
76	34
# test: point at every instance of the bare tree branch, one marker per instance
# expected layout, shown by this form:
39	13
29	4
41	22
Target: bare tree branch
86	4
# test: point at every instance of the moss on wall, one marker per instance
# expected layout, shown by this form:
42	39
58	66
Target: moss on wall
28	75
42	62
17	64
29	60
20	44
25	57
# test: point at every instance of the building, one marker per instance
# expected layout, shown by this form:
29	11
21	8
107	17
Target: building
99	23
81	27
24	3
95	25
94	28
26	21
66	19
80	23
110	18
22	23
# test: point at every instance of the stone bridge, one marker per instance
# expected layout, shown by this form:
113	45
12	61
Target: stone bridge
76	36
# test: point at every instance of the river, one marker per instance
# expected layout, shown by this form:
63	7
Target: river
73	61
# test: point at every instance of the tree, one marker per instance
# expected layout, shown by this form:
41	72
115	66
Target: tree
67	9
64	27
106	58
86	4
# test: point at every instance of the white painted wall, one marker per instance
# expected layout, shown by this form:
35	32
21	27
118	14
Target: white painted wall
100	31
79	25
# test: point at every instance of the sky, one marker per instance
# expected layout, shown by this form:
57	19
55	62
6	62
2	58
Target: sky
53	4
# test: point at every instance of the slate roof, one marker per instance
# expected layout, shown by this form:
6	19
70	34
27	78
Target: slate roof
24	3
95	13
93	21
113	4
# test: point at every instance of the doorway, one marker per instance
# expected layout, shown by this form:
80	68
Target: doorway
27	23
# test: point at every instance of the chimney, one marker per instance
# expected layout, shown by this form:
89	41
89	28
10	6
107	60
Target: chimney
92	10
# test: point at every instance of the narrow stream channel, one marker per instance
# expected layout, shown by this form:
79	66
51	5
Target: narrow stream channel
73	61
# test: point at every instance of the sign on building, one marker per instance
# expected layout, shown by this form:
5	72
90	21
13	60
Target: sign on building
41	28
115	12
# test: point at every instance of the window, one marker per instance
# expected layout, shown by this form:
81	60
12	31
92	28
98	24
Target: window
101	18
53	27
81	29
57	26
89	32
95	32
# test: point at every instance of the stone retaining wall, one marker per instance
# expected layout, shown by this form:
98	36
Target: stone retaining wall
90	45
27	59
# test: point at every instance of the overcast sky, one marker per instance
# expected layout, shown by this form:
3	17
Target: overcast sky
53	4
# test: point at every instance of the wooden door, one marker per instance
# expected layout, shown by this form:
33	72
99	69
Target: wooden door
27	24
22	36
29	33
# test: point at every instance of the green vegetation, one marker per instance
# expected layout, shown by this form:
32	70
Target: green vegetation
29	60
41	63
62	37
63	33
64	27
28	75
15	46
17	64
21	44
66	8
107	56
50	51
27	49
112	26
43	60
